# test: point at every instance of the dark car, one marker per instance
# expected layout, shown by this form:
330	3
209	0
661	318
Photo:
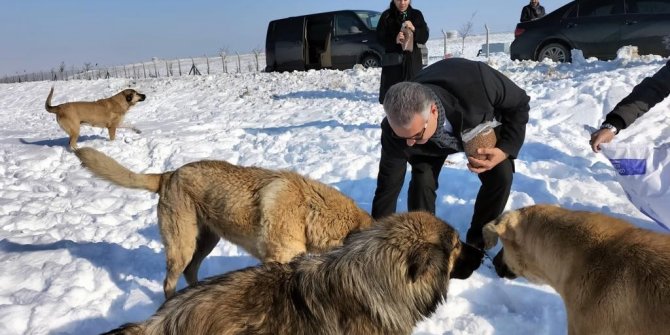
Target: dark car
596	27
333	40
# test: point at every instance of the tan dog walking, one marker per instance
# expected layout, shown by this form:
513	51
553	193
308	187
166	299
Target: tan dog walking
105	113
273	215
383	281
613	277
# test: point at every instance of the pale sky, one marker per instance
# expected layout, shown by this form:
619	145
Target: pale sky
37	35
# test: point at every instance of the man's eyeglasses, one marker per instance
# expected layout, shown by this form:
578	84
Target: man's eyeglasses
416	137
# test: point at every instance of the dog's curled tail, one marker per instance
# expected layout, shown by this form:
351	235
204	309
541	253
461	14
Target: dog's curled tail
127	329
47	104
107	168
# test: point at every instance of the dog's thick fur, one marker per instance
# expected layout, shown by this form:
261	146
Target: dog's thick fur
383	280
274	215
105	113
613	277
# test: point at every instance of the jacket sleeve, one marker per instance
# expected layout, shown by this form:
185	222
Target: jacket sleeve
644	96
386	38
510	103
525	16
420	28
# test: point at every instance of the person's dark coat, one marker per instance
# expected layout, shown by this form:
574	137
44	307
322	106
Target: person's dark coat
644	96
472	93
529	13
387	30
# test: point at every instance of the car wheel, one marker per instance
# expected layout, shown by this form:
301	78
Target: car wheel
555	51
370	61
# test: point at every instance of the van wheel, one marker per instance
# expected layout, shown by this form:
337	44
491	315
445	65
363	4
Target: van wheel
555	51
371	61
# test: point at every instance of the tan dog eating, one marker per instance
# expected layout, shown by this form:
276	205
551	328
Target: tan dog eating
273	215
613	277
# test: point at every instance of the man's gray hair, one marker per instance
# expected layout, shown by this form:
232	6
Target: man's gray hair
406	99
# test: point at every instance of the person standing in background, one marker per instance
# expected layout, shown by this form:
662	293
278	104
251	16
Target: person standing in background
397	25
532	11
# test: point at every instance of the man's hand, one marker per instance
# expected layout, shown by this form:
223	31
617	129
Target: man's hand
600	136
493	157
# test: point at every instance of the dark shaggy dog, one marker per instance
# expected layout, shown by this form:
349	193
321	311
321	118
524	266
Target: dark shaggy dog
382	281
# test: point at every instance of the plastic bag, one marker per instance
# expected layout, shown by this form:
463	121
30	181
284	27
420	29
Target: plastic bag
408	43
644	173
481	136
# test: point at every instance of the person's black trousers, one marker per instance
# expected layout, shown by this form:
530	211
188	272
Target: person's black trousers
491	198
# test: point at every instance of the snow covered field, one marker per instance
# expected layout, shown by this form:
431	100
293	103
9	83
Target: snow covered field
81	256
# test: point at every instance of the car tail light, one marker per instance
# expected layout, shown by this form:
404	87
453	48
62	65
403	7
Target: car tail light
518	32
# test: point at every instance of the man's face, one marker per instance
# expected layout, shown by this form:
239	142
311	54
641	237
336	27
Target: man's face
419	129
535	2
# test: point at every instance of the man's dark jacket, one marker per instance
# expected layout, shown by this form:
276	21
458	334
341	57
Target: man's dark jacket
471	93
644	96
529	13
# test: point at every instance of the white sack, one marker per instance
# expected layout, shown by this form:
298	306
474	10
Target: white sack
644	173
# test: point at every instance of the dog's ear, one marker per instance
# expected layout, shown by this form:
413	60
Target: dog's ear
502	227
490	234
418	261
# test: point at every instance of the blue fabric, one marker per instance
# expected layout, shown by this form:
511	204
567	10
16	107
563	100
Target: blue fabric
630	167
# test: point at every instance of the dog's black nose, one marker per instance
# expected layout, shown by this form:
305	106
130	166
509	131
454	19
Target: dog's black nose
142	97
467	262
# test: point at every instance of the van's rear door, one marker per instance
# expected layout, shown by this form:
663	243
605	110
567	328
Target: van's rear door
289	35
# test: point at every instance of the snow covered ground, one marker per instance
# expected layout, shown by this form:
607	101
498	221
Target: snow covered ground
81	256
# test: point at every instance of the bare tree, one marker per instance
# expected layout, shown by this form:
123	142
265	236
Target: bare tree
466	30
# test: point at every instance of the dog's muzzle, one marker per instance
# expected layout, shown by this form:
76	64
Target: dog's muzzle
502	269
467	262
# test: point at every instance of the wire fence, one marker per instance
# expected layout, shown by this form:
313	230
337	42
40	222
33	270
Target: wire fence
156	68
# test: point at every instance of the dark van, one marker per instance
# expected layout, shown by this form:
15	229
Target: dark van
333	40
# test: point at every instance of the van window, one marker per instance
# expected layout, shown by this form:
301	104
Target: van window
648	6
347	24
371	19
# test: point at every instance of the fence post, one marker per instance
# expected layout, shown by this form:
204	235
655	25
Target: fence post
223	62
239	62
486	27
207	60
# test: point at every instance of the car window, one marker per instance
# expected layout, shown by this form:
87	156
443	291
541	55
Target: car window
647	6
571	12
599	8
347	24
371	19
